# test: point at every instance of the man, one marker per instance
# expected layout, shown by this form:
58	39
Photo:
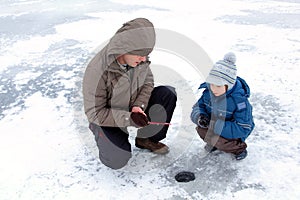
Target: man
118	90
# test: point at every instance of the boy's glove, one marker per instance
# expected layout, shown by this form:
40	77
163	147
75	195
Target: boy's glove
138	119
203	121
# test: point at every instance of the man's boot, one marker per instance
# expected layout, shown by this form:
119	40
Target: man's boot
155	147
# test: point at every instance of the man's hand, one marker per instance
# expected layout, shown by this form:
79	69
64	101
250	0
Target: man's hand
137	109
138	119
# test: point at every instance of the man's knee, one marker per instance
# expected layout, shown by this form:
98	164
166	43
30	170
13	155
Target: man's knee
114	152
166	91
116	162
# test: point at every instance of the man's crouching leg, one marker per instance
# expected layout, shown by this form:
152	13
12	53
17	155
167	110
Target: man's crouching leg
114	147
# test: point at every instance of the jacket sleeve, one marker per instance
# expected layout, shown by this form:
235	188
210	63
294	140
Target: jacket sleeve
195	113
145	88
95	102
240	126
199	108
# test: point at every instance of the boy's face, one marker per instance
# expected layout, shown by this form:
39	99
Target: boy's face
218	90
131	60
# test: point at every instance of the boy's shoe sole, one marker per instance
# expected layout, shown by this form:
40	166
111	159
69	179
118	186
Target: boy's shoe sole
242	155
209	148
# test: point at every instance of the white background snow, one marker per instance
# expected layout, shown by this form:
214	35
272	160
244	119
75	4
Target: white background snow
46	149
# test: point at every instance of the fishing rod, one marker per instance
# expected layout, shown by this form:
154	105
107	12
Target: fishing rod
160	123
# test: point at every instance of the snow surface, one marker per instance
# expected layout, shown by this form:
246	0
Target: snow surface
46	149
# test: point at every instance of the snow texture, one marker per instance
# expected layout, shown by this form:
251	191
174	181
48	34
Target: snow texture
46	149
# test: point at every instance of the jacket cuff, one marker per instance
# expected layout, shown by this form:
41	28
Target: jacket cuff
127	120
141	106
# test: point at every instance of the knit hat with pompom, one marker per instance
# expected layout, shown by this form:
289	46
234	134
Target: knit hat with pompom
223	72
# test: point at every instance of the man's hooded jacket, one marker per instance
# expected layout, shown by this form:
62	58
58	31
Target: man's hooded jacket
110	90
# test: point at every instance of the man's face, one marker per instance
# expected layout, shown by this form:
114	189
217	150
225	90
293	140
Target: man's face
131	60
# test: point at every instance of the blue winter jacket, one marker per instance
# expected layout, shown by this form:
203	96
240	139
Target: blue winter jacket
231	112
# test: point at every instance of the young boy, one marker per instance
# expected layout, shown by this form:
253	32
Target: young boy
223	114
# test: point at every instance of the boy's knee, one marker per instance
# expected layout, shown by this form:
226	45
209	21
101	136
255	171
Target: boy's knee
201	132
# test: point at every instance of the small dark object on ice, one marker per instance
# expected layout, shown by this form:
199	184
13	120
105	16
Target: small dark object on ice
185	176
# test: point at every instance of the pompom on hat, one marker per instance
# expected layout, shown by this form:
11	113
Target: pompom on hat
224	71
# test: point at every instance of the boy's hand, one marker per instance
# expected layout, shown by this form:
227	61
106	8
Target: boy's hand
203	121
